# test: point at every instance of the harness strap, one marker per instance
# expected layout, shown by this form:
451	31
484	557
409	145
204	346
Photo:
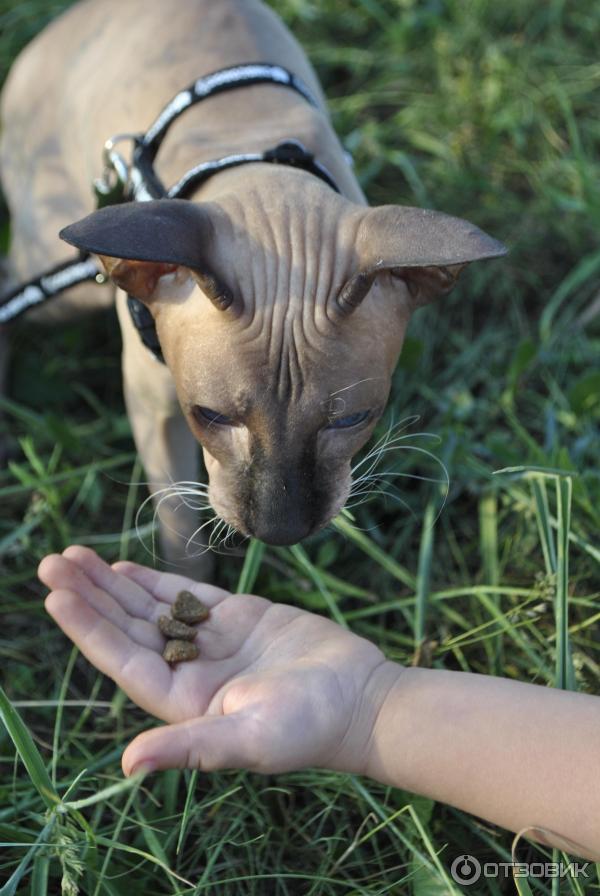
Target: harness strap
145	184
291	153
220	81
54	281
141	183
144	324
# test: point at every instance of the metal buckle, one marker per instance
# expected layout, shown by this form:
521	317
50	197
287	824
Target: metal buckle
113	185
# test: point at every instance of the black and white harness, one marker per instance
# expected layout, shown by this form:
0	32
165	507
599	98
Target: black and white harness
139	182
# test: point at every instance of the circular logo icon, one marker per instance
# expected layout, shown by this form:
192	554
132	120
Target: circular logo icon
465	870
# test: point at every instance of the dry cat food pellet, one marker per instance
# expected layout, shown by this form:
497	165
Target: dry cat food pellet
172	628
189	609
186	611
179	651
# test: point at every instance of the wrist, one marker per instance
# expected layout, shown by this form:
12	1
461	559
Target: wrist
357	751
383	689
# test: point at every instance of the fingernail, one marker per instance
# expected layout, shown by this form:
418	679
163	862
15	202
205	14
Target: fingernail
142	767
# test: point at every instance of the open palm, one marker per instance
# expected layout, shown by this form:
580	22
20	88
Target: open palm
274	688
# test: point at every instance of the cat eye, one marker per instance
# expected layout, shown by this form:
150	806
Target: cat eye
350	421
206	415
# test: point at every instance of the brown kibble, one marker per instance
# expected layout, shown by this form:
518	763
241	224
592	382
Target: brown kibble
189	609
172	628
179	651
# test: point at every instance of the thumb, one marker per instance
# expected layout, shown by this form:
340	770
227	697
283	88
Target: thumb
208	743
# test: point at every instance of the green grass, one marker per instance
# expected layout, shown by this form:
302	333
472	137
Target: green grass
486	110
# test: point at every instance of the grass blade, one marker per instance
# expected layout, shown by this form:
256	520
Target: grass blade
370	548
542	513
565	673
185	817
130	507
59	711
39	877
107	793
10	887
424	574
27	751
523	888
314	574
251	566
488	542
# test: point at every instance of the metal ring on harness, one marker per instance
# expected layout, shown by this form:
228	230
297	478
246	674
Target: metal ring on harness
113	185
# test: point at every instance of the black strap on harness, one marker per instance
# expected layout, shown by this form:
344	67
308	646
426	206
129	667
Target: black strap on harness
247	75
139	182
290	152
54	281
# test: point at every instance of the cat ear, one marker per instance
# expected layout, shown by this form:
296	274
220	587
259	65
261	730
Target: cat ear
140	242
425	249
136	278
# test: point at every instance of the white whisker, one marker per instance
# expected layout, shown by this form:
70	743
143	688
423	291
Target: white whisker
214	535
370	483
197	531
185	493
352	385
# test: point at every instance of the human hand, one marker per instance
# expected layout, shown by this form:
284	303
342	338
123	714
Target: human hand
274	688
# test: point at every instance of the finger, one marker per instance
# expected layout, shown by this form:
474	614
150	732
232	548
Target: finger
133	597
60	573
165	586
142	673
208	743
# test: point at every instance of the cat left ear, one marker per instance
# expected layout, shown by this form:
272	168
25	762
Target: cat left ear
424	248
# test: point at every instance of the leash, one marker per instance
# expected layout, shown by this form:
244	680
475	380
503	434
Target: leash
139	182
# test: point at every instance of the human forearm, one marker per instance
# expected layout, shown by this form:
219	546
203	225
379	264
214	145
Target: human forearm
519	755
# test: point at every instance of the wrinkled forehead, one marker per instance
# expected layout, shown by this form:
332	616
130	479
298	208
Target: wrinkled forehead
280	372
303	224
